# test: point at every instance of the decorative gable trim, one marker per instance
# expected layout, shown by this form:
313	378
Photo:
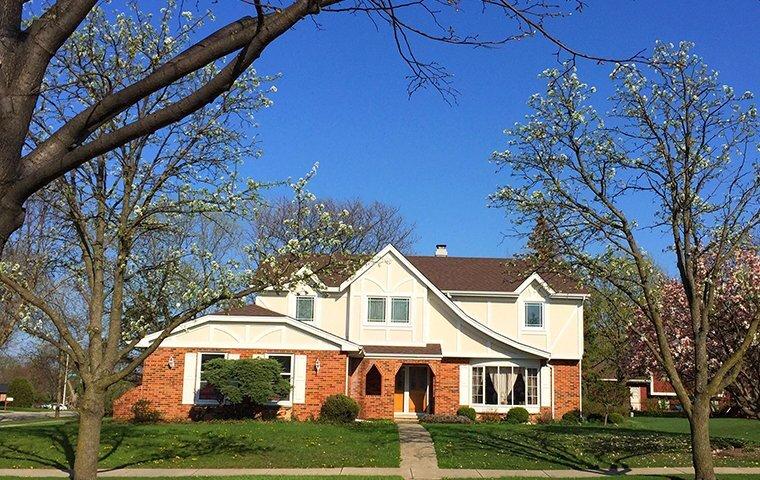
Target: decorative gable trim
345	345
390	249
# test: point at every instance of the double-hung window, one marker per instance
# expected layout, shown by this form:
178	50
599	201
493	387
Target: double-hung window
534	315
504	385
379	312
286	362
305	308
206	391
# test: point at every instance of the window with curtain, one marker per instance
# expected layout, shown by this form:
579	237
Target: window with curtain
305	308
503	385
376	310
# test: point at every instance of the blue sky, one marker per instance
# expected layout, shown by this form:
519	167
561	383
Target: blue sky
342	102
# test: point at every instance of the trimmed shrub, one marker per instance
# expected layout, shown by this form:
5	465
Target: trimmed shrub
517	415
573	416
143	412
465	411
445	419
339	408
250	381
22	392
616	418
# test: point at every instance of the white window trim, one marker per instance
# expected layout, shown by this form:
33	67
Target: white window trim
289	401
198	400
387	323
544	316
488	408
313	308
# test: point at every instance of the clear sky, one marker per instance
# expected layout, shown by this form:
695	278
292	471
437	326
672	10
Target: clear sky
342	102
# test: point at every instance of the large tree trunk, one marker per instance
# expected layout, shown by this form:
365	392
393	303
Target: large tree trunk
701	451
91	409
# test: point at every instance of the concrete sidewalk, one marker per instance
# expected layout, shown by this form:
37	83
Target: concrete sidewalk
413	473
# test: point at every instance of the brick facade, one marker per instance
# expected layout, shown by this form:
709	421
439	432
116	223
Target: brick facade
444	385
567	386
162	385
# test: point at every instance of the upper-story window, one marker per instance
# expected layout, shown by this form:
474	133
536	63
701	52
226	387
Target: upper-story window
378	311
400	310
534	315
305	308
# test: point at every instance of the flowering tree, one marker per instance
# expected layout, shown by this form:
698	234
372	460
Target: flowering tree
736	305
682	144
32	34
144	238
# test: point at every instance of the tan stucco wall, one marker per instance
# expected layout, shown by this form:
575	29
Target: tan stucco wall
431	321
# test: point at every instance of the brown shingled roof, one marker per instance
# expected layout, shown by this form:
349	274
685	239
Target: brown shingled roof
429	349
459	273
251	310
489	274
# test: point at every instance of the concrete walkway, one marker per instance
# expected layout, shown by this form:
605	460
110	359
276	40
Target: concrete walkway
417	452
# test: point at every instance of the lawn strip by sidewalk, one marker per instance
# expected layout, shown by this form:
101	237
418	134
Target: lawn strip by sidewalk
581	447
241	444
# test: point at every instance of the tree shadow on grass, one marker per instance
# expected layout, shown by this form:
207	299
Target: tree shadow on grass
63	440
64	446
589	448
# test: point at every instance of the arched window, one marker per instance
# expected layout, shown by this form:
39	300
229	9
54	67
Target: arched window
373	383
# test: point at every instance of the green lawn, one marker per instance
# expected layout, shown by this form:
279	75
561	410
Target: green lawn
639	443
208	445
739	428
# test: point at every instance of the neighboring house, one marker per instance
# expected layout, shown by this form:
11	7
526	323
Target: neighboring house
3	392
651	394
403	335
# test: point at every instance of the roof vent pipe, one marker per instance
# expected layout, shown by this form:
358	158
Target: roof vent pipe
440	250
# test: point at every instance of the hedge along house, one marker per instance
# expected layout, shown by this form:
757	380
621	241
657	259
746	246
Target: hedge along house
402	335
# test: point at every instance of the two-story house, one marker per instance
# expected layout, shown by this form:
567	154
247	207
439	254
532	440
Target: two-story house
402	335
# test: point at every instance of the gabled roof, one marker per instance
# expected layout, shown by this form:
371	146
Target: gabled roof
258	314
489	274
510	342
457	274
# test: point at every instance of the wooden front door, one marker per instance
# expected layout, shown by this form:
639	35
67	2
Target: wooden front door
398	392
418	380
